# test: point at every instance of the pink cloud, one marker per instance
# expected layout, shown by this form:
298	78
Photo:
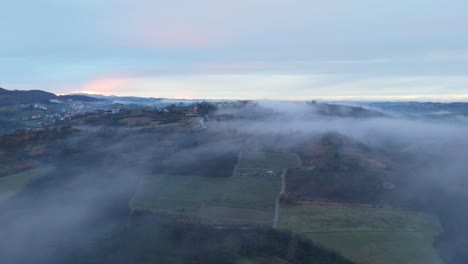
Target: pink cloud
104	85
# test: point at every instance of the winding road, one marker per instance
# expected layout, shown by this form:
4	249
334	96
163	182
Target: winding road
277	205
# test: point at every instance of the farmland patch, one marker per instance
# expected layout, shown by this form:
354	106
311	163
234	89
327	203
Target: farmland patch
366	235
12	184
267	160
240	199
236	215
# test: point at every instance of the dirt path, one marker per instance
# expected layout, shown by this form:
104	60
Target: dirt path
277	204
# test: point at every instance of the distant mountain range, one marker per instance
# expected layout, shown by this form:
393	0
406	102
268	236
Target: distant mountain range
421	108
149	101
12	97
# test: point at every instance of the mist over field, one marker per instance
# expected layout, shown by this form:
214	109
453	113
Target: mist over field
78	211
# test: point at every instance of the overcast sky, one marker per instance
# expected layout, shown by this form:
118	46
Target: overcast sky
253	49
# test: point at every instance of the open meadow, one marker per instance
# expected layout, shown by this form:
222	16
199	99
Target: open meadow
366	235
237	199
248	196
267	160
387	247
12	184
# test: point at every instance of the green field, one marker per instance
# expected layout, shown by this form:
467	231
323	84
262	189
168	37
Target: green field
241	198
267	160
366	235
247	197
262	260
388	247
12	184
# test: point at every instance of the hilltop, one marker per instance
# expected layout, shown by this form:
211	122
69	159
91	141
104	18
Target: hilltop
13	97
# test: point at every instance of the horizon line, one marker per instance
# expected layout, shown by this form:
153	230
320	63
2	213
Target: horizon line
447	98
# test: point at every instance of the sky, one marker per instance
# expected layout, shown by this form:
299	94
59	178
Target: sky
243	49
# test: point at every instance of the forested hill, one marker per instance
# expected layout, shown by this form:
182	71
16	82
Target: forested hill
13	97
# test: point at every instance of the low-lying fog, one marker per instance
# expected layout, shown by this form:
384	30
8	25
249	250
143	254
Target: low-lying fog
87	195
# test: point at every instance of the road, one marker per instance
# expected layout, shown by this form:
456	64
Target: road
277	204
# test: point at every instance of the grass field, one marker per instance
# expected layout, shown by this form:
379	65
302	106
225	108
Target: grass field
305	218
12	184
240	198
135	121
262	260
247	197
267	160
366	235
388	247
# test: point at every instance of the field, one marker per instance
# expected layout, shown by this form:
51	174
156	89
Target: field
366	235
12	184
247	196
214	165
267	160
381	247
262	260
135	121
240	199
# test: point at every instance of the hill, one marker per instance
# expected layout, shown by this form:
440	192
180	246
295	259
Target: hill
342	110
14	97
421	108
